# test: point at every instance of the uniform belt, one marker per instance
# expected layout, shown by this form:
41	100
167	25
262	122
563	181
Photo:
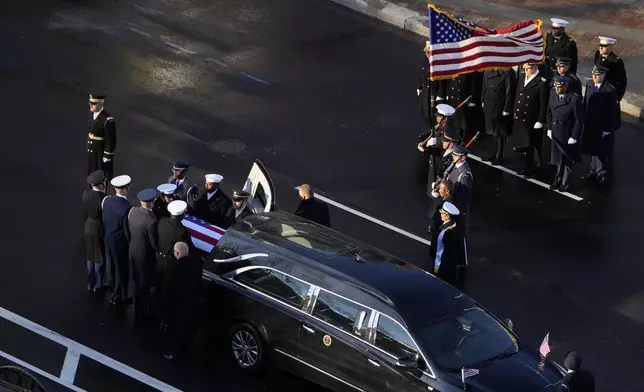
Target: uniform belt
91	136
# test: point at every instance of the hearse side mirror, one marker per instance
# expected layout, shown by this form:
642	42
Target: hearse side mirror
508	323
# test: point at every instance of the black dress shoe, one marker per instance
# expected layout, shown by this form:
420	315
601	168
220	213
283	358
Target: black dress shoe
563	188
527	173
556	184
521	150
490	159
496	162
589	177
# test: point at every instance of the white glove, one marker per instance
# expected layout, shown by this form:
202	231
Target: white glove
605	133
105	160
417	92
549	133
420	148
433	184
440	98
432	142
471	105
482	104
572	141
505	114
538	125
435	195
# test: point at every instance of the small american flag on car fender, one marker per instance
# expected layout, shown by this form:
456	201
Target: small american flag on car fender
544	350
466	373
204	235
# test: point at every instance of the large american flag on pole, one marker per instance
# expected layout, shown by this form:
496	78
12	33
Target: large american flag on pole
457	46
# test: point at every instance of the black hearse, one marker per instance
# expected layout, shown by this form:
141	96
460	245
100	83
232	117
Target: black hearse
351	317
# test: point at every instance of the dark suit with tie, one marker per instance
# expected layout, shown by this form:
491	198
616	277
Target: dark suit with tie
144	245
565	118
530	104
601	121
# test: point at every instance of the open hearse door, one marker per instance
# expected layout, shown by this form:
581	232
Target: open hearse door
261	189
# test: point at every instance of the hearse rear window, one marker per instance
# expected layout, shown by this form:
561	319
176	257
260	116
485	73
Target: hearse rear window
276	284
307	235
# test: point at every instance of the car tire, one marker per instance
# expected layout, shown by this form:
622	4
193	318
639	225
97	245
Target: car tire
247	348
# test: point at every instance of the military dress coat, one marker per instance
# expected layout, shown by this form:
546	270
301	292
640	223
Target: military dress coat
93	232
497	97
562	46
616	74
213	210
144	245
565	118
101	143
232	216
462	178
530	105
454	255
458	89
602	115
429	91
574	85
186	190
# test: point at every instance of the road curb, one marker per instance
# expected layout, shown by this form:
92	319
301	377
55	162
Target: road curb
409	20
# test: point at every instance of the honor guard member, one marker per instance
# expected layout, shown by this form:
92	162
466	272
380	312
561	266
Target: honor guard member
213	204
530	104
559	44
101	137
576	378
451	256
166	195
94	233
616	74
600	123
466	120
498	99
240	208
462	178
186	189
563	69
430	142
444	193
565	119
116	209
171	231
449	140
144	246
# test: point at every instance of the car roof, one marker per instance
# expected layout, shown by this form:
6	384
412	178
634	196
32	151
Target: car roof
415	294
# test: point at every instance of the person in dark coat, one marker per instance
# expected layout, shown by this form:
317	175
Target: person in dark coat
101	138
184	292
600	123
498	98
450	262
469	119
462	178
565	119
530	104
576	378
444	193
616	74
311	208
116	209
450	139
186	190
240	208
563	69
144	246
213	204
428	159
166	195
171	231
559	44
430	142
430	92
94	232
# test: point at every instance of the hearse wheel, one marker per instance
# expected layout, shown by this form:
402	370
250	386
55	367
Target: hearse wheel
247	348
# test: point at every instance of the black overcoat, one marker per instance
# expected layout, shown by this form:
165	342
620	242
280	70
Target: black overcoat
453	257
565	118
601	116
530	104
144	245
214	210
497	97
93	232
563	46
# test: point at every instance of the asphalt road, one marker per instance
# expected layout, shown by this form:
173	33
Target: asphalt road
320	95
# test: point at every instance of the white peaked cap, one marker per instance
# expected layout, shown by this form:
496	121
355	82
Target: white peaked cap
556	22
607	41
445	110
450	208
177	207
121	181
167	189
214	178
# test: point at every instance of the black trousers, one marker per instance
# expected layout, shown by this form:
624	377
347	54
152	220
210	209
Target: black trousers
500	146
601	164
142	303
118	272
563	170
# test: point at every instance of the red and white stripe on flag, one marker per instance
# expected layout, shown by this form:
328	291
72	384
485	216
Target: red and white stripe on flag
544	350
204	235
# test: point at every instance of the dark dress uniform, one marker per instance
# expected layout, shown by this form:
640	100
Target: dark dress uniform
117	237
600	106
314	210
213	210
565	118
531	102
450	261
462	178
187	191
160	208
232	216
435	223
94	235
170	231
101	143
616	76
469	118
143	228
562	46
498	97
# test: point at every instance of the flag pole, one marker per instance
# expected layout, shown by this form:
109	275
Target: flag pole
463	379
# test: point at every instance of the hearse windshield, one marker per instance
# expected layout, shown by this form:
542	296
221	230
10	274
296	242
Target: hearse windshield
466	339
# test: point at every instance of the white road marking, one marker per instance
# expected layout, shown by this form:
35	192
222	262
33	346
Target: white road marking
179	48
149	10
75	350
371	219
249	76
532	180
214	60
143	33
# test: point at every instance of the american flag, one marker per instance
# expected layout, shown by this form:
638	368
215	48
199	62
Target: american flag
204	235
458	46
466	373
544	350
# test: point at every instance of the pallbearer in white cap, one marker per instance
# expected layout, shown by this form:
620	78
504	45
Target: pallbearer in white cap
166	195
559	44
115	212
213	203
177	207
616	74
451	260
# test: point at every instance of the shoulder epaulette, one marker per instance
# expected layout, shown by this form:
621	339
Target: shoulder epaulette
110	119
543	79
